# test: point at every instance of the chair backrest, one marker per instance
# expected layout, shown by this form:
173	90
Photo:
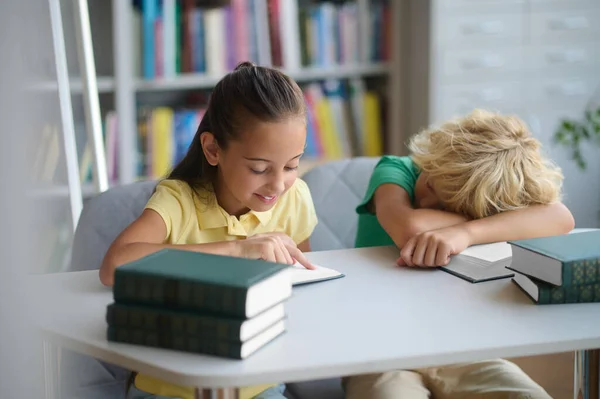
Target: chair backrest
103	218
337	187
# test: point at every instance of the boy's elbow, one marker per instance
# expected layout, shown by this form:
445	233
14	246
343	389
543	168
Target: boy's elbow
564	218
559	219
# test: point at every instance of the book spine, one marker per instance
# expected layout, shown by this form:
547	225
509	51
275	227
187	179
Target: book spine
585	293
152	319
582	271
133	288
175	341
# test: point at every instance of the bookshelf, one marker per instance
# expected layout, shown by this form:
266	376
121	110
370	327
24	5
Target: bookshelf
131	89
124	90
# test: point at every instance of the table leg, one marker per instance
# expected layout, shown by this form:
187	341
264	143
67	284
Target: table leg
219	393
592	374
51	359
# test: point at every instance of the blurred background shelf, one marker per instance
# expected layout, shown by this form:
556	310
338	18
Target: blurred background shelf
189	81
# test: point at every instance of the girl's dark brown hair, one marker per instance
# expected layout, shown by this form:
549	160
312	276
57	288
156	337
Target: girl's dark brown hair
247	95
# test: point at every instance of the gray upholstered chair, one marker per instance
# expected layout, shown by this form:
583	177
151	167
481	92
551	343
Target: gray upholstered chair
336	187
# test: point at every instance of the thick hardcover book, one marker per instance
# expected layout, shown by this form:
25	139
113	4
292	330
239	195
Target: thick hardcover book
569	259
194	343
207	325
545	294
178	279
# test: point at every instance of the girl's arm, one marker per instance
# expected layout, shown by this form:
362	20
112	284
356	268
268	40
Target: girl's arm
144	236
401	221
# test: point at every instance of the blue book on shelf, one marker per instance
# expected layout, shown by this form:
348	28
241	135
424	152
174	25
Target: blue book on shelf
149	15
199	49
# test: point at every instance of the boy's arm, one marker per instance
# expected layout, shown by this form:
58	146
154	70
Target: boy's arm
434	248
535	221
401	221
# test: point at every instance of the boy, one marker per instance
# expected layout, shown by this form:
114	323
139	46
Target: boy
473	180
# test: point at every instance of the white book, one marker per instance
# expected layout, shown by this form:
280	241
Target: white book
302	275
482	262
261	21
289	32
169	38
214	30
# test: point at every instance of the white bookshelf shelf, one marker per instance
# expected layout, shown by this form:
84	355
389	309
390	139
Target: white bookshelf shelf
106	84
204	81
60	190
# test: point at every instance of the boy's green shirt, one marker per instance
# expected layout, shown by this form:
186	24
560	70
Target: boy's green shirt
390	169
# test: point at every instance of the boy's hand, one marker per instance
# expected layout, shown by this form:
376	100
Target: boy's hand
434	248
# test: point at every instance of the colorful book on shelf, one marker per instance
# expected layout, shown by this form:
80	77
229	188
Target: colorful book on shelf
543	293
180	37
203	282
563	260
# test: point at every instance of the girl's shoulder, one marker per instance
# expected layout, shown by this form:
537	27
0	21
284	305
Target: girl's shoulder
173	192
300	190
173	187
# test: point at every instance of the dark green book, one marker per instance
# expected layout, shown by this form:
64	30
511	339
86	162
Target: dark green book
546	294
569	259
207	325
194	343
177	279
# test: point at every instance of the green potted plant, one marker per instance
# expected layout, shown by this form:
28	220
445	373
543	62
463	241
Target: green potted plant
573	133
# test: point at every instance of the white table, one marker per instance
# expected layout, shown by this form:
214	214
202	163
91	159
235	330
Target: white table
379	317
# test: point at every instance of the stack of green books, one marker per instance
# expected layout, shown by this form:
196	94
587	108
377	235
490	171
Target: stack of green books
201	303
558	269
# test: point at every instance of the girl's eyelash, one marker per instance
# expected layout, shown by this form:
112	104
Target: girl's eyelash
260	172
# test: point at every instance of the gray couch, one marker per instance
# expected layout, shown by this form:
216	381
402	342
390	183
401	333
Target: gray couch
336	187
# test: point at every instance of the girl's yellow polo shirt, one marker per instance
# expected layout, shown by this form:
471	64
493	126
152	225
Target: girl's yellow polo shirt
196	218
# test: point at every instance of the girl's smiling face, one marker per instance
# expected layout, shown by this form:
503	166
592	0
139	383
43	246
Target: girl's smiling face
258	167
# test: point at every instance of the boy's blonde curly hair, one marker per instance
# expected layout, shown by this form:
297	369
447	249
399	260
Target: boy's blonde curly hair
486	163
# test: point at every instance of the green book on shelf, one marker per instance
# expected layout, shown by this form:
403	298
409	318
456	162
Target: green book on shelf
178	279
207	325
569	259
546	294
195	343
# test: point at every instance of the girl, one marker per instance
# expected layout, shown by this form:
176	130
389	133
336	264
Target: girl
235	192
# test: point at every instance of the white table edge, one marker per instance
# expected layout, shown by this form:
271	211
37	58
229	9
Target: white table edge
322	372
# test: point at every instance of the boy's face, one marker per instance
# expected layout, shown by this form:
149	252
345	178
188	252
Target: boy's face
425	196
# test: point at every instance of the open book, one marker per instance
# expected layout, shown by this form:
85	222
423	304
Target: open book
482	262
302	275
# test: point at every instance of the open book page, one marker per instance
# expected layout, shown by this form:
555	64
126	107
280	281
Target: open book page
489	252
482	262
302	275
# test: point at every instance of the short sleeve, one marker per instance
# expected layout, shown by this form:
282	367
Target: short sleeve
304	213
391	169
173	201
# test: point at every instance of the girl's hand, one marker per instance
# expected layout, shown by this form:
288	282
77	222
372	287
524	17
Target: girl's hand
434	248
272	247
